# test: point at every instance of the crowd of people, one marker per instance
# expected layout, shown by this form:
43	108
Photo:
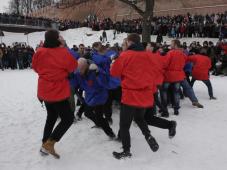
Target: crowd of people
212	26
17	56
143	78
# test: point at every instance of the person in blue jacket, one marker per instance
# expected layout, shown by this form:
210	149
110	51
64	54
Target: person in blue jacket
94	82
114	87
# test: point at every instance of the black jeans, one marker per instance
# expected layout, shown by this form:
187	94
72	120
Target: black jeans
156	121
95	113
127	114
114	94
208	84
60	109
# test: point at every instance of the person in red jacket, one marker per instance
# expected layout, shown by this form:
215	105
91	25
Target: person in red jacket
200	71
137	71
54	65
174	74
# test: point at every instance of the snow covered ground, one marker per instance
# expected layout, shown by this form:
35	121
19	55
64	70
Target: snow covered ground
200	143
78	36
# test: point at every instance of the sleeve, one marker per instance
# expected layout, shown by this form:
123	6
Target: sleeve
118	66
103	79
190	59
34	62
72	63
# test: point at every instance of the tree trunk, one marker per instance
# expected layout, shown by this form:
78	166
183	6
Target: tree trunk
147	17
146	33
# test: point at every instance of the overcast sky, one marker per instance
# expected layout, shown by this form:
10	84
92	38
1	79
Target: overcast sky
3	5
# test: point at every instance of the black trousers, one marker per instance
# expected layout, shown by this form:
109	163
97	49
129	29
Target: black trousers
114	94
95	114
152	120
60	109
127	114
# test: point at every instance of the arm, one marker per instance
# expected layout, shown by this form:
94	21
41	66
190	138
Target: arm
118	66
72	63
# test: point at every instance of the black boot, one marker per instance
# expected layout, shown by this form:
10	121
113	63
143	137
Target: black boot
165	114
172	129
122	155
152	143
213	98
176	112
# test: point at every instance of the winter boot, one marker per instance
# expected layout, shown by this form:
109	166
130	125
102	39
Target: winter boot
176	112
165	114
213	98
152	143
172	129
122	155
197	104
48	148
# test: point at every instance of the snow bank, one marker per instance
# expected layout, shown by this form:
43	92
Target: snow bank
79	35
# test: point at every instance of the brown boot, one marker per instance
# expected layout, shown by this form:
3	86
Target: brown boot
49	148
197	104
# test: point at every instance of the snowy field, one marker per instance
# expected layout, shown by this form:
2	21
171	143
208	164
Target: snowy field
200	143
80	35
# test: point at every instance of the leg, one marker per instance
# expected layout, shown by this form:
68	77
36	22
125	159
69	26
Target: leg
89	113
176	89
66	115
108	106
81	110
126	117
192	82
156	121
164	96
139	119
158	102
103	122
52	116
72	100
189	91
209	86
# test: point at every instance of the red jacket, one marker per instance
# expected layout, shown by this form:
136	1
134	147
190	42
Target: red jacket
175	62
201	66
138	72
53	67
224	47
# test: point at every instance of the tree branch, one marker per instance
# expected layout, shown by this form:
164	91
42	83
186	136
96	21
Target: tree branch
136	8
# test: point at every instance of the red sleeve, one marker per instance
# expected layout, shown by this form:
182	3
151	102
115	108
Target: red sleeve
117	67
34	62
190	59
72	63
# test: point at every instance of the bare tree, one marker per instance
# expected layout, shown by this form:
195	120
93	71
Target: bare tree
146	14
14	6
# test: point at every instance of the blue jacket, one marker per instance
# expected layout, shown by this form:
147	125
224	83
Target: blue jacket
102	61
95	86
188	66
72	76
114	82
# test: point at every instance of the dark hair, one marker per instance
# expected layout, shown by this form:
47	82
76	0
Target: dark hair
96	44
203	51
51	39
177	43
135	38
144	44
